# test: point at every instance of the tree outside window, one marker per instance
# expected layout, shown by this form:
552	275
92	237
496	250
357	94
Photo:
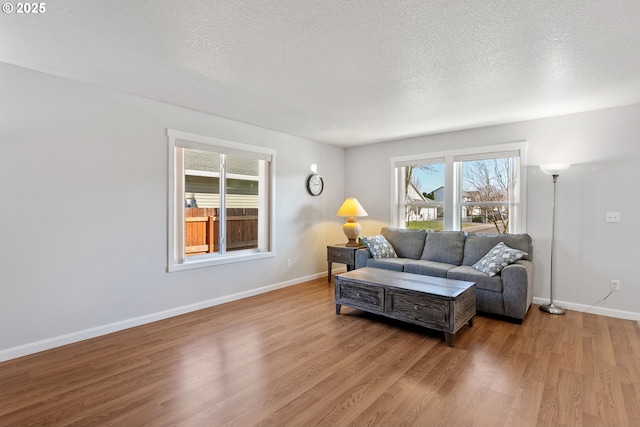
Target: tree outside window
488	189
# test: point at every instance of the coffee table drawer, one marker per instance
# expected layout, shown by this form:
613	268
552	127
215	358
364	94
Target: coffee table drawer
355	295
427	310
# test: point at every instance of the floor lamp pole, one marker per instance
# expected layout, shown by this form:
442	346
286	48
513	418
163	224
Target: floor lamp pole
551	307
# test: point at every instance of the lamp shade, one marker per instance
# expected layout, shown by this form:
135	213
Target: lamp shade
554	168
350	208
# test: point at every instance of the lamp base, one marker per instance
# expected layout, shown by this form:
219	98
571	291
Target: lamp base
551	309
352	230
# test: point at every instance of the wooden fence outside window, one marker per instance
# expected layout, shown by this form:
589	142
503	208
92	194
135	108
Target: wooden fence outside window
202	230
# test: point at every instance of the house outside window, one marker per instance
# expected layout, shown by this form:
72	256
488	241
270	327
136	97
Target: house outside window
424	206
478	190
220	197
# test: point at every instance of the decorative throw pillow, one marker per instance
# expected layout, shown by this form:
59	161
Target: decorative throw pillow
498	258
379	247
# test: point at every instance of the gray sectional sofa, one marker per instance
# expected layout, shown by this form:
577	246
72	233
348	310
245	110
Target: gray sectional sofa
452	254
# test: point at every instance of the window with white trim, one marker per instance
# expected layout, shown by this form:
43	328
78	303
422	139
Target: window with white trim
478	190
220	201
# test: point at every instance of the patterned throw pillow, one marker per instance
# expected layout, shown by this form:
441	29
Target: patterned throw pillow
498	258
379	247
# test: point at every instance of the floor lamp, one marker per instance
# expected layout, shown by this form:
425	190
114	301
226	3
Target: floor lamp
553	170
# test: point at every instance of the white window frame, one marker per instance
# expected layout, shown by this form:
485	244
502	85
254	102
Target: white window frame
452	181
176	260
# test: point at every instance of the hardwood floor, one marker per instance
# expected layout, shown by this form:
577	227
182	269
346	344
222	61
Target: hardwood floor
286	359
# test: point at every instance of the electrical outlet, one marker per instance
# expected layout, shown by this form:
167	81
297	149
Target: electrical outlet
289	263
612	217
615	285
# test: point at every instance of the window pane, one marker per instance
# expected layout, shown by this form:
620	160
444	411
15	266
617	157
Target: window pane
242	202
424	196
202	202
487	194
485	219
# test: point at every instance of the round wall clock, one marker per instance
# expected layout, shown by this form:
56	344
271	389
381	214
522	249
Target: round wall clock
315	184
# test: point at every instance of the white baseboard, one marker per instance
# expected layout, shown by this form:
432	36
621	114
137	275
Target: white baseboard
620	314
49	343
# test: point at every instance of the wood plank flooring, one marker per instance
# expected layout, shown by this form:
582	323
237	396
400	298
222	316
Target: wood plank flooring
286	359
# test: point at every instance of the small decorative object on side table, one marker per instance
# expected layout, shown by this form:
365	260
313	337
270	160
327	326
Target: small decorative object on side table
342	254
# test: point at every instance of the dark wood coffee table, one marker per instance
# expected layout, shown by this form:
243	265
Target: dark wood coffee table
436	303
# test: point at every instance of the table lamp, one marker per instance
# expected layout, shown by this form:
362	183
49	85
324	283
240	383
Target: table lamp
350	209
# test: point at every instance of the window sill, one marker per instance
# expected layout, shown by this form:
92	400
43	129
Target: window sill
208	261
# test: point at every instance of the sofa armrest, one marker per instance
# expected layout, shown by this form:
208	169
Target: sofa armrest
362	255
517	285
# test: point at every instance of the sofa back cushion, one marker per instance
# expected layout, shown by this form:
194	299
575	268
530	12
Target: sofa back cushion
477	245
444	246
407	243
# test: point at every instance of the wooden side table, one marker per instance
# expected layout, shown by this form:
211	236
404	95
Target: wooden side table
342	254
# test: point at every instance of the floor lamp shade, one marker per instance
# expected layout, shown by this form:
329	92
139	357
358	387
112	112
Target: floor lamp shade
553	170
350	209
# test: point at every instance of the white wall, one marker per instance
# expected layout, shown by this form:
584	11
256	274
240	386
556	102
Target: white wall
604	148
83	182
83	219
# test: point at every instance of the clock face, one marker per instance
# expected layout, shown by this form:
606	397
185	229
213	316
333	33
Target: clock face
315	184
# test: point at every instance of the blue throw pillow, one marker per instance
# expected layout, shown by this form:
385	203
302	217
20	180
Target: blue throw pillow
379	247
498	258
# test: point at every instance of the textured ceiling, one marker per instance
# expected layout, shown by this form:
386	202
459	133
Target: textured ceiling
345	72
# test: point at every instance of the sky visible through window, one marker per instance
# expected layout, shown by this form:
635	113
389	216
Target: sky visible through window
429	180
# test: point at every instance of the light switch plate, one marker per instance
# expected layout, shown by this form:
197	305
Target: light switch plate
612	217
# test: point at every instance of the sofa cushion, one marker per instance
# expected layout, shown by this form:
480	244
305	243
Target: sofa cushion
498	258
444	246
428	268
379	247
394	264
477	245
407	243
470	274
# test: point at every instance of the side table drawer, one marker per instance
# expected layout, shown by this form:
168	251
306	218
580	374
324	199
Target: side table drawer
344	257
423	309
358	296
